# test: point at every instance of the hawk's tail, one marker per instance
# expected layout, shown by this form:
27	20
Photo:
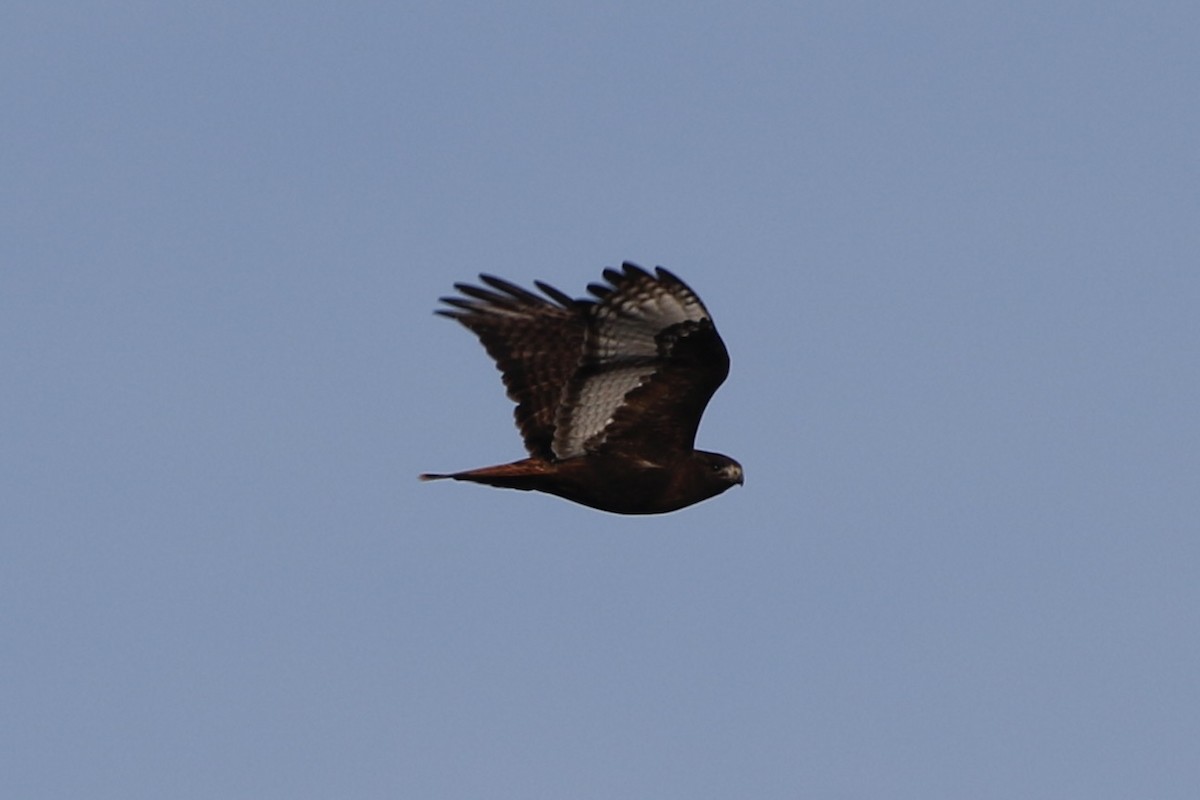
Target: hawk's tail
526	474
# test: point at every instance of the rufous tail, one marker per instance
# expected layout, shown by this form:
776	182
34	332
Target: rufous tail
524	474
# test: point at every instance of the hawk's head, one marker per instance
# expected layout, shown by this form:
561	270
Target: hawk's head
717	472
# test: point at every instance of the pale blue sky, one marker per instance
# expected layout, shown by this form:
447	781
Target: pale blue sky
952	248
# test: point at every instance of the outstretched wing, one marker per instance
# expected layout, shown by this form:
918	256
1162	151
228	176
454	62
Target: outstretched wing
536	343
652	360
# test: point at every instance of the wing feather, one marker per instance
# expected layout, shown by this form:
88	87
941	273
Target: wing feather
652	360
536	343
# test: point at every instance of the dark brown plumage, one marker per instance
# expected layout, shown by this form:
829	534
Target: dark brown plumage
609	391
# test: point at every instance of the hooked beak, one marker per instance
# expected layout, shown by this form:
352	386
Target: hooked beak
735	474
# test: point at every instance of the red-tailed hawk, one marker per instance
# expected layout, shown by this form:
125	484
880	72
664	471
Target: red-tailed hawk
609	391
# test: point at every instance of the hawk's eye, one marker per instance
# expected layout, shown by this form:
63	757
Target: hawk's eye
716	467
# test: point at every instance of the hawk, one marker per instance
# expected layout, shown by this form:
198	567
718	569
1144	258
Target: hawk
609	391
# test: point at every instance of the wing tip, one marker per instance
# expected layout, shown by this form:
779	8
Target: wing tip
557	295
665	274
502	294
633	270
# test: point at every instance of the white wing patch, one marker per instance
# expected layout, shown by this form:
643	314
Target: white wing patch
598	399
628	320
621	352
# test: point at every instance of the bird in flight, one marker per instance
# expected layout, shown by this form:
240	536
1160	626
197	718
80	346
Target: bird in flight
609	391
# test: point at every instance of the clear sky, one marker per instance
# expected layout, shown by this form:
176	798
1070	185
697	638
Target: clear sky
952	248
